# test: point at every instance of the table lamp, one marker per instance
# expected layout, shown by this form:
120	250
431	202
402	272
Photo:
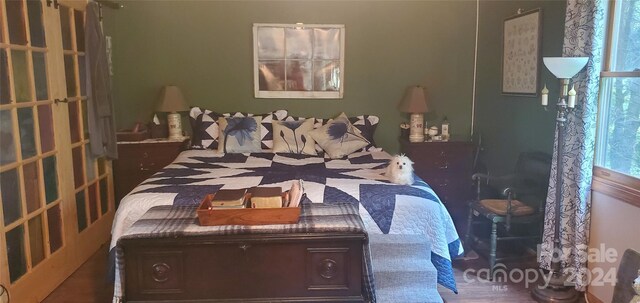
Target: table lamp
172	102
415	103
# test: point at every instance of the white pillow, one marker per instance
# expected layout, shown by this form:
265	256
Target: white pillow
240	134
293	137
339	138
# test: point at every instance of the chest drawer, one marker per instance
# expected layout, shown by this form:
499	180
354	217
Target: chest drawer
237	268
440	156
140	160
447	168
453	189
152	155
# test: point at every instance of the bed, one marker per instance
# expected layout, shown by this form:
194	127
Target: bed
358	179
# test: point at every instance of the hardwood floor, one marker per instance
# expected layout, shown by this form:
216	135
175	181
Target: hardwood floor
473	288
88	284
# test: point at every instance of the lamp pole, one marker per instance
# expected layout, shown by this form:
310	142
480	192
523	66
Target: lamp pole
557	290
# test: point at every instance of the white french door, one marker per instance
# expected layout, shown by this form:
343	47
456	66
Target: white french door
56	200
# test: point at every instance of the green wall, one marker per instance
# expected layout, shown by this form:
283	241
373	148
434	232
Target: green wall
205	47
512	124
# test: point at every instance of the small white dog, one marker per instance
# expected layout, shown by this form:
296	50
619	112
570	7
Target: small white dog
400	170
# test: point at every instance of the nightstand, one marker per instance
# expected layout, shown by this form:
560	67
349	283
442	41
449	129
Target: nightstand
447	168
139	160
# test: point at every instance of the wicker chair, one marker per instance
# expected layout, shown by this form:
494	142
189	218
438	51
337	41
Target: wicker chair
515	199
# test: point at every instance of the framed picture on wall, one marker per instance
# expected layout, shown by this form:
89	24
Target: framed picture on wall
521	53
304	61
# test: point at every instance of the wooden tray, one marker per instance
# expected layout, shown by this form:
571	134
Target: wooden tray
128	136
245	216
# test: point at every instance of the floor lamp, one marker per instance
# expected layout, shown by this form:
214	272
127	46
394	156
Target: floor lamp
564	68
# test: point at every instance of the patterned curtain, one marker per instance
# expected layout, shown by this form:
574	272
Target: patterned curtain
584	36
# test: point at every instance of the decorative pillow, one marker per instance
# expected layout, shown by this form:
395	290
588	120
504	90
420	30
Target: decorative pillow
239	134
293	137
204	128
204	124
367	125
316	124
266	126
194	112
339	138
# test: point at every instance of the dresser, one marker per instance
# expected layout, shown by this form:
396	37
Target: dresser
139	160
447	167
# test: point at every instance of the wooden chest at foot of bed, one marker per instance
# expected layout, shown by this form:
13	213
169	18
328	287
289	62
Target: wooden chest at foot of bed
249	268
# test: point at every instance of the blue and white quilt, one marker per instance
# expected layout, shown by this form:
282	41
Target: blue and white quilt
385	208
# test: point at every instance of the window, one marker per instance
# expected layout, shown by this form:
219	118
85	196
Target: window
298	61
618	140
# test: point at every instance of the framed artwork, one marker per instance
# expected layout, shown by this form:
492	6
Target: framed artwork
302	61
521	53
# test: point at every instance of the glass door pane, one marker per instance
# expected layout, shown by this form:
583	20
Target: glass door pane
16	24
21	76
45	121
16	253
36	28
7	142
5	97
40	74
81	208
27	135
36	240
50	179
31	186
55	228
10	193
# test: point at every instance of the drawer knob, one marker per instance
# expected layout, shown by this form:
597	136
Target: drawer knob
328	268
143	168
160	272
244	246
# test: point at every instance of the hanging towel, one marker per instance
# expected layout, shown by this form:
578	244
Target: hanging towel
101	121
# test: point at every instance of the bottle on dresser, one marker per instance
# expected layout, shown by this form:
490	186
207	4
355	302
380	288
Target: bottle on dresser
445	129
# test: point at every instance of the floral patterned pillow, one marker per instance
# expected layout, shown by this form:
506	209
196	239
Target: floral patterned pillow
366	124
266	129
205	128
293	137
239	134
339	138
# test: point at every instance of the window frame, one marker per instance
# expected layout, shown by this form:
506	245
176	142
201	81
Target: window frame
285	94
607	181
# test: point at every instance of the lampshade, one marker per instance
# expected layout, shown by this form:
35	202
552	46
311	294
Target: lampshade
414	100
565	67
171	100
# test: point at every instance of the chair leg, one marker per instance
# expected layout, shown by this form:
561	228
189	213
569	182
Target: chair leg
494	248
467	237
